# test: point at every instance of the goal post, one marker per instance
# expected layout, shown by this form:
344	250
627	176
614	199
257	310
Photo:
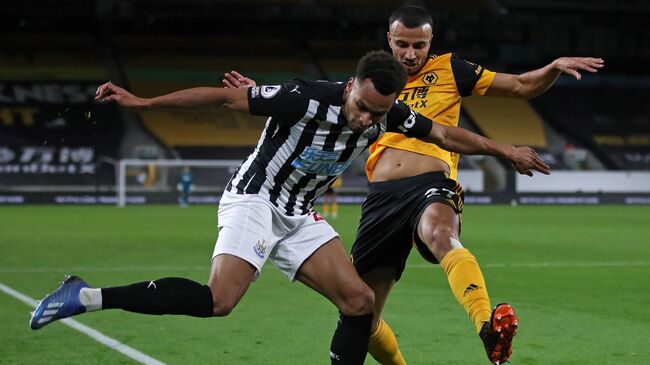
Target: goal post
160	169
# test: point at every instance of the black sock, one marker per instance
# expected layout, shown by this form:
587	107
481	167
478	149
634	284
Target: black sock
163	296
350	341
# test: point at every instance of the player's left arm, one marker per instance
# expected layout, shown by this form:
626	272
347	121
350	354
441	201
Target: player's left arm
459	140
405	120
533	83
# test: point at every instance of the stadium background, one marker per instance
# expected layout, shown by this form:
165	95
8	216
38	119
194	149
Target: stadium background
58	148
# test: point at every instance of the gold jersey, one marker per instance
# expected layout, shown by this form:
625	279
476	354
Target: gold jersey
435	92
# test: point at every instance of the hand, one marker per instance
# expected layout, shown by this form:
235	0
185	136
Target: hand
571	65
525	159
234	79
110	92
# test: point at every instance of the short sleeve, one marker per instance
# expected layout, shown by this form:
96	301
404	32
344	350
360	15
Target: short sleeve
402	119
283	102
470	77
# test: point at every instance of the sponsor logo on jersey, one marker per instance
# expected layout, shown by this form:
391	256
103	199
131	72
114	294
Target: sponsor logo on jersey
260	248
315	161
430	78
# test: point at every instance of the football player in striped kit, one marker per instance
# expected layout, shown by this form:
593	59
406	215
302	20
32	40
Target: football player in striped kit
314	131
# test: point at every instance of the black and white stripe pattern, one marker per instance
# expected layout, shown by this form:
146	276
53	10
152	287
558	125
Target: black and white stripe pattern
306	143
268	171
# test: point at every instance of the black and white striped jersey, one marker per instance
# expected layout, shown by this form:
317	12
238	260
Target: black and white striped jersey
306	143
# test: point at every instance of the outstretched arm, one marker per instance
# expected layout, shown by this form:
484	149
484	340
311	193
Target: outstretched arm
454	139
234	79
236	99
533	83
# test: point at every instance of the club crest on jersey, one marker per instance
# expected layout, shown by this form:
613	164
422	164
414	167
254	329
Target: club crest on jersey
372	132
430	78
269	91
315	161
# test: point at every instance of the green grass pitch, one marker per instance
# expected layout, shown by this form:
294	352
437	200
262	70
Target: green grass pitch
577	276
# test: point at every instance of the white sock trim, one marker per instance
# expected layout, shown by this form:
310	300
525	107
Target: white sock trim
91	298
455	244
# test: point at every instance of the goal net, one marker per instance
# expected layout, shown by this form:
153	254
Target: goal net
157	181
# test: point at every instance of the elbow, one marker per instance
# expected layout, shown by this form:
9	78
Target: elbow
439	137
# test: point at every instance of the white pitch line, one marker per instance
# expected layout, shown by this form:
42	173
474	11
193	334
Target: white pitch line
206	268
92	333
35	270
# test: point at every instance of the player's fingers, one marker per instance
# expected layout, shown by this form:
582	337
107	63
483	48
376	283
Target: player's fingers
234	81
101	88
585	66
227	84
542	167
237	74
574	73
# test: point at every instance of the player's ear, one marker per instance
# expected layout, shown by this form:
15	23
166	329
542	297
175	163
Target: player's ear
349	85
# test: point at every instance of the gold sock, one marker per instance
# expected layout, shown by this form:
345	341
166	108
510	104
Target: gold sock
335	209
326	209
383	346
467	284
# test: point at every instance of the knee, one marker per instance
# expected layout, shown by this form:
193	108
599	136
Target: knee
222	308
438	239
358	302
222	305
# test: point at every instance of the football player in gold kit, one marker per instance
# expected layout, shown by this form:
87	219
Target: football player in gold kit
414	199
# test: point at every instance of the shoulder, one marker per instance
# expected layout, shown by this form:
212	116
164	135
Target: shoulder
324	91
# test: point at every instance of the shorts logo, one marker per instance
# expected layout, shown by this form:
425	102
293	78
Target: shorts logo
440	192
269	91
260	248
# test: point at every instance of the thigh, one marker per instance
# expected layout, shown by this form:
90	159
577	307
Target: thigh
329	272
381	280
384	236
440	212
309	233
245	230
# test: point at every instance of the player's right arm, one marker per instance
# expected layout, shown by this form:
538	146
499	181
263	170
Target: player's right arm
235	99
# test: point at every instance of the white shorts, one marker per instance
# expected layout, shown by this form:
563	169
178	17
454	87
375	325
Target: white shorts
253	229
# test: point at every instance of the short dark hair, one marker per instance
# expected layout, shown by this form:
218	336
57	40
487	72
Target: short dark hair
411	16
386	73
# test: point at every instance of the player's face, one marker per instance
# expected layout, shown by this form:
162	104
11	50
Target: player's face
410	46
364	105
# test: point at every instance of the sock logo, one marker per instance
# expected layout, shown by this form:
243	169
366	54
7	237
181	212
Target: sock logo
334	356
470	288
